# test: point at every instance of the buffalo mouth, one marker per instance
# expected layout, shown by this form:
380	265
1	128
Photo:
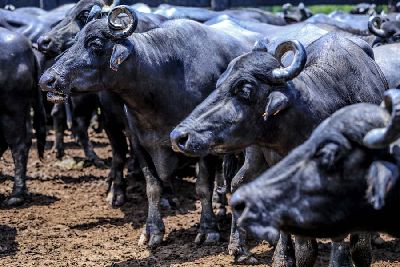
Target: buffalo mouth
57	97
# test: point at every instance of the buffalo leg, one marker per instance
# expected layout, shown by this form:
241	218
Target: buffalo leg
58	114
117	186
361	250
18	139
112	110
306	251
340	254
219	194
3	144
165	162
82	111
154	229
284	254
80	128
208	231
254	165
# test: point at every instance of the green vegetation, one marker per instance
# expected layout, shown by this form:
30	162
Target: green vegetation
325	8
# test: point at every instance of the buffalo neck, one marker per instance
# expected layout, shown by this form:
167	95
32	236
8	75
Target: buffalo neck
170	73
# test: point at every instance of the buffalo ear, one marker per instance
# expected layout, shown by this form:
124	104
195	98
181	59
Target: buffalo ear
381	178
277	102
119	54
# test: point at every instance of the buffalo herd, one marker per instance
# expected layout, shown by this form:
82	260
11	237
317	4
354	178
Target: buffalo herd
296	115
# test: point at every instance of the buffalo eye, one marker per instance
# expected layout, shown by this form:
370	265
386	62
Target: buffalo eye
82	17
244	92
396	38
96	45
328	155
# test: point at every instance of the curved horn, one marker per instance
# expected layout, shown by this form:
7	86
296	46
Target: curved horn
95	13
374	26
121	30
299	60
286	7
115	3
383	137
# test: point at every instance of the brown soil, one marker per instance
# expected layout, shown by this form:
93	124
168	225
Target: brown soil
67	222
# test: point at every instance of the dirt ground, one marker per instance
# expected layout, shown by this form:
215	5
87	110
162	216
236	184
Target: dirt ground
67	222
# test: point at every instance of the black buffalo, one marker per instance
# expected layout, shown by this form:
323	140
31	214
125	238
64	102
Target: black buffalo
295	14
62	36
259	101
344	178
171	70
18	93
364	9
386	57
385	29
56	41
203	15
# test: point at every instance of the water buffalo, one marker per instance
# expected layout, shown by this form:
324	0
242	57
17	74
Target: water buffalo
355	24
203	15
364	9
344	178
169	74
19	92
31	25
258	101
386	30
62	37
295	14
386	57
63	34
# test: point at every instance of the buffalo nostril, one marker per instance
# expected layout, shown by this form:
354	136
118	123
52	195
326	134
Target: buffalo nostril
44	43
50	82
179	139
182	140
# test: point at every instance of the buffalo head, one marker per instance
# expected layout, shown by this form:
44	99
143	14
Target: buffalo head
63	34
343	178
387	31
100	48
295	14
253	91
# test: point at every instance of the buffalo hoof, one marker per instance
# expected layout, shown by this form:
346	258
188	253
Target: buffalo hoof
377	240
98	163
115	197
207	238
164	203
150	240
241	254
14	201
60	154
340	255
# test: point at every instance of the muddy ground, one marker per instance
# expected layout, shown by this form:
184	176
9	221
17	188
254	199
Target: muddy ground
67	222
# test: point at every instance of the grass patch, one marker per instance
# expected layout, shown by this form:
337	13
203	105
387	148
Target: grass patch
325	8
